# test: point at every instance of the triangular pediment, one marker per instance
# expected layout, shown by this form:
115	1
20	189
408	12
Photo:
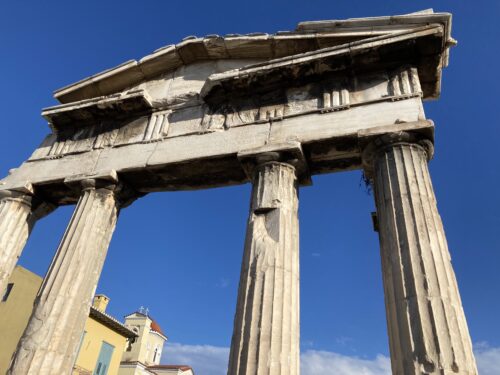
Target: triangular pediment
307	38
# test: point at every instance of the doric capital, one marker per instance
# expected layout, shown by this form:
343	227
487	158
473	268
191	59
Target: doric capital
18	196
22	194
39	206
382	143
289	153
105	183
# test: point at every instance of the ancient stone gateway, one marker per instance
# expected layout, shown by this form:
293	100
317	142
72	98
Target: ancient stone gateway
267	109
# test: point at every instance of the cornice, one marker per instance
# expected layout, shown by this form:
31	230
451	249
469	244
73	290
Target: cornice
308	36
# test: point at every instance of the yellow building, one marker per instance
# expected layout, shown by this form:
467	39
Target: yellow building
103	342
15	310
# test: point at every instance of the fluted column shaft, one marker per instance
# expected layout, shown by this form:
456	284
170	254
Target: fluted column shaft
266	328
428	332
50	342
16	221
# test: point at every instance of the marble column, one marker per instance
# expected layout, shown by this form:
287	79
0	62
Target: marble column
16	222
266	328
50	342
427	329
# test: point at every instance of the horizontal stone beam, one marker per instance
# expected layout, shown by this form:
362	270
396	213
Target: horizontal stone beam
92	110
330	141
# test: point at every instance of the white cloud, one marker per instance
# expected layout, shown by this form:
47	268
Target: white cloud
212	360
488	359
204	359
315	362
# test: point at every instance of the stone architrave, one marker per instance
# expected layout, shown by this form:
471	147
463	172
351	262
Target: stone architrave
50	342
428	332
266	327
16	223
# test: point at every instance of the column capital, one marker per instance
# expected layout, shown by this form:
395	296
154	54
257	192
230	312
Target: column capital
106	183
289	153
106	180
28	196
98	184
381	143
18	196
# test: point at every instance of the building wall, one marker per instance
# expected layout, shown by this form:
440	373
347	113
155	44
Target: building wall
128	371
154	341
141	325
134	370
95	334
16	311
143	348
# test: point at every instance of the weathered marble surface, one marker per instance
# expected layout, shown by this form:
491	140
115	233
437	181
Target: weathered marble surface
80	131
428	332
50	342
210	95
19	212
308	36
153	145
15	226
266	326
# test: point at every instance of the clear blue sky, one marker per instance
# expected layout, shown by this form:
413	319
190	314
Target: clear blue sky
179	253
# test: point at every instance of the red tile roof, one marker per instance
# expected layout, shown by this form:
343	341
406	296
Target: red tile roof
156	327
170	367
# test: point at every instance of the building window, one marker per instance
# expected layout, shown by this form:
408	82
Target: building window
104	359
7	292
154	356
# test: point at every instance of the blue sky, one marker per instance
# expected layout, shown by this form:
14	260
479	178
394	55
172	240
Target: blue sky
179	253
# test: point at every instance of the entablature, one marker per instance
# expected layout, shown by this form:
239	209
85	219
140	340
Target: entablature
331	141
130	119
184	129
